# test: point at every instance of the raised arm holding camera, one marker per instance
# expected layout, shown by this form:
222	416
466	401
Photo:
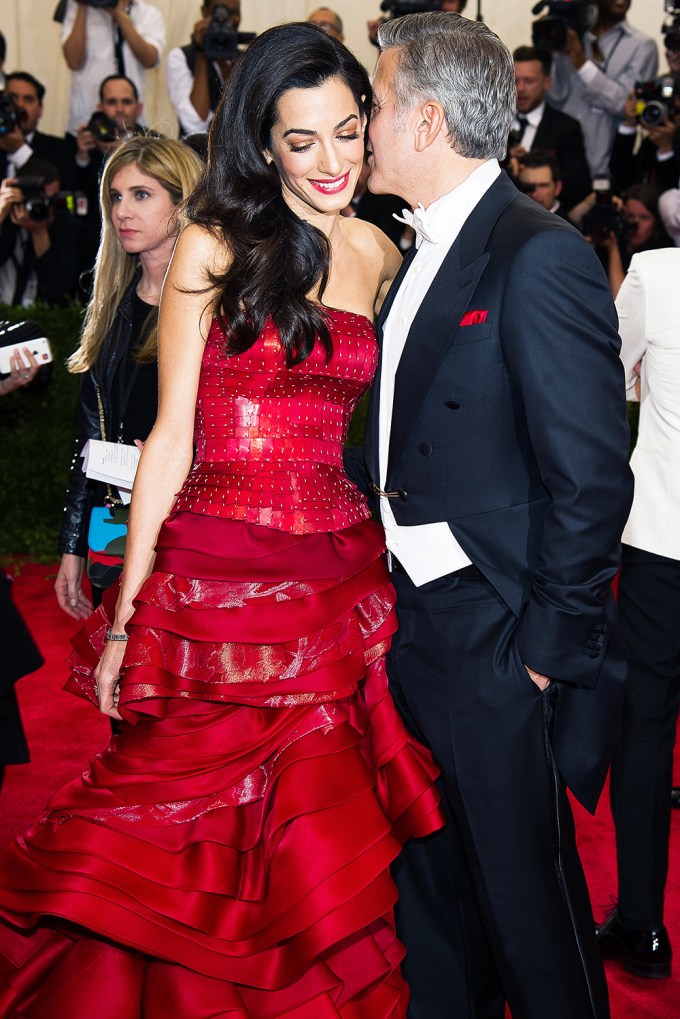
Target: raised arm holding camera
100	38
196	72
39	231
595	71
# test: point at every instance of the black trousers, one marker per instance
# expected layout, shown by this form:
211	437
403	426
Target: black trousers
495	907
642	771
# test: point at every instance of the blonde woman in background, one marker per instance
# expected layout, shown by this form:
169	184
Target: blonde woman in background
142	188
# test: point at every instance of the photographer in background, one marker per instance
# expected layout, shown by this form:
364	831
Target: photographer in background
538	125
593	77
127	38
457	6
540	177
647	144
620	227
116	116
26	94
329	20
195	81
38	243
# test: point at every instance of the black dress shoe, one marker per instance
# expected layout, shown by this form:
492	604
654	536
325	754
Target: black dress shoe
675	796
642	953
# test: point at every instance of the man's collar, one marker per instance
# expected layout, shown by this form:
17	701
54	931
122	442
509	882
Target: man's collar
622	26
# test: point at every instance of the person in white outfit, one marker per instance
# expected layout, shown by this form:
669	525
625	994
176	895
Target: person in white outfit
649	609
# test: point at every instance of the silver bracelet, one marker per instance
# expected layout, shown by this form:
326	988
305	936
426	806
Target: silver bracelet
110	635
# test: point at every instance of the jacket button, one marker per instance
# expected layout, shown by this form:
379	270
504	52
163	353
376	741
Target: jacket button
426	449
402	494
452	404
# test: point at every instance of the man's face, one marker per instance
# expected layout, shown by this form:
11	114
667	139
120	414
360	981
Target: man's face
233	6
326	19
119	103
531	83
26	99
457	6
389	138
613	10
538	183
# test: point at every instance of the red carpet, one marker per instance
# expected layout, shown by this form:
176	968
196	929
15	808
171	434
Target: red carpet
64	733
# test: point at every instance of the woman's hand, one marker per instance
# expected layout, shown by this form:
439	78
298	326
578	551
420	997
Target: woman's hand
69	589
22	372
107	678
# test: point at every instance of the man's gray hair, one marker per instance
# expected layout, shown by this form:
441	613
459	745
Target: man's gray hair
462	65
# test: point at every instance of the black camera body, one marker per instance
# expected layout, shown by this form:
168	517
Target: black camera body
221	40
654	100
605	217
398	8
550	33
38	203
11	116
100	3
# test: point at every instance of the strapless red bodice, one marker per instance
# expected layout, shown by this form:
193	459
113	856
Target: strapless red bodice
269	438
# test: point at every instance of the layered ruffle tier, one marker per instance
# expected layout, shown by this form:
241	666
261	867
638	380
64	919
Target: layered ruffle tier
228	854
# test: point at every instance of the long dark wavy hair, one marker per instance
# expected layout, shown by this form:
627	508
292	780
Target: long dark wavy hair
277	258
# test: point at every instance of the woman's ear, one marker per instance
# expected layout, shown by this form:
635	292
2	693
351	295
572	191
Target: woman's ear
268	158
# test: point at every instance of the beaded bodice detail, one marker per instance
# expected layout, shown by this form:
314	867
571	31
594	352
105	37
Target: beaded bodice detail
269	438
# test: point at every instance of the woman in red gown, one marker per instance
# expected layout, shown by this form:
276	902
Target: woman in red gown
228	854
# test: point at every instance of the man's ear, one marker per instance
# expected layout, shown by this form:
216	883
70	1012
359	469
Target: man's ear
558	188
430	121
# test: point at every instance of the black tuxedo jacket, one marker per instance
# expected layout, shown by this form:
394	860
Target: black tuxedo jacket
561	134
513	430
52	149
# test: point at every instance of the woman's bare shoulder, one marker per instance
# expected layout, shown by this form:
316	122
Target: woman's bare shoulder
373	245
199	253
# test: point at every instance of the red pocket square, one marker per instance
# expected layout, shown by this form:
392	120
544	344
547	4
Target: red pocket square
473	318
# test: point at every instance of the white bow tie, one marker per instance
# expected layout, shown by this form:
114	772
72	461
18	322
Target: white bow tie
424	227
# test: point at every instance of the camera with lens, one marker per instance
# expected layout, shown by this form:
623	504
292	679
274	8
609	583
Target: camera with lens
398	8
550	33
11	116
654	100
221	40
106	130
38	203
605	217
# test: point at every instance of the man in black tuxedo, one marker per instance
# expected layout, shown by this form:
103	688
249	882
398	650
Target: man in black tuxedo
497	445
26	141
538	125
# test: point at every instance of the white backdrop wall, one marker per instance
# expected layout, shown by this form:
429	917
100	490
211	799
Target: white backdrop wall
33	39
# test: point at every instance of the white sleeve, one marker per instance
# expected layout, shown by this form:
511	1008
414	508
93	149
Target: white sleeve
69	20
149	23
180	82
631	305
610	93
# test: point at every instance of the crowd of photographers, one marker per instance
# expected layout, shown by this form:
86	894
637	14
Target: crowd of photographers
596	139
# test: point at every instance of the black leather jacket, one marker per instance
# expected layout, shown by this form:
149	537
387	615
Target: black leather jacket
83	493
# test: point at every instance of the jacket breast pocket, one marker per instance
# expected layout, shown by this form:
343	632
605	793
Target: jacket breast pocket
472	333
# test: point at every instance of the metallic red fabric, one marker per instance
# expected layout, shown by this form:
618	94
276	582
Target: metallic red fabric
228	854
269	438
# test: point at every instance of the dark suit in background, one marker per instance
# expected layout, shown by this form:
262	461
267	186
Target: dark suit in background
561	134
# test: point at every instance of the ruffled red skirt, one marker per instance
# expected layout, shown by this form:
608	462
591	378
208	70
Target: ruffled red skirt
228	854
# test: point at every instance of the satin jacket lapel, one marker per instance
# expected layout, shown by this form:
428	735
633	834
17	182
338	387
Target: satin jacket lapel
371	433
438	318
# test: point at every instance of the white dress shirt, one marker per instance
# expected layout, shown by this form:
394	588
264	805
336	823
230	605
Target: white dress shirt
426	551
534	118
180	83
101	55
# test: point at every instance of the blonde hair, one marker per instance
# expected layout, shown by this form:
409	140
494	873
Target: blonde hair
176	167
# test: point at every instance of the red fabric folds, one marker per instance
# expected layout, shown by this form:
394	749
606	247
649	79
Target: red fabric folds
228	854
